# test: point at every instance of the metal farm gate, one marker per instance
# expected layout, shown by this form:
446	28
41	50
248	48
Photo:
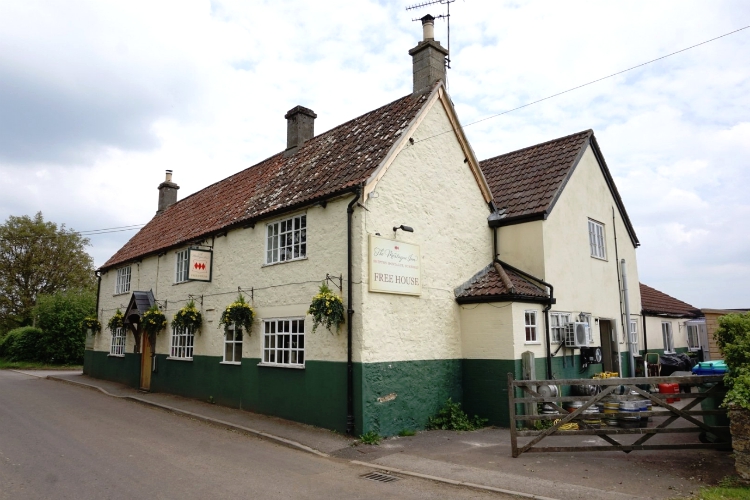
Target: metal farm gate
668	416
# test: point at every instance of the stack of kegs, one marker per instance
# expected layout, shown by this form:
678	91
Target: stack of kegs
611	408
630	413
589	416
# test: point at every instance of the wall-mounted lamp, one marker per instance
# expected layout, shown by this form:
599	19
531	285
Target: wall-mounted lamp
402	227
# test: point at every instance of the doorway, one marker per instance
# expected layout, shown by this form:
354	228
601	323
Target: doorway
146	351
610	352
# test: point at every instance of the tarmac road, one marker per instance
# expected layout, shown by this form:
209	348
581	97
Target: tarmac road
58	441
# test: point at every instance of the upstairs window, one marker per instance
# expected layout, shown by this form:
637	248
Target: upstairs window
286	240
531	327
123	280
596	240
181	266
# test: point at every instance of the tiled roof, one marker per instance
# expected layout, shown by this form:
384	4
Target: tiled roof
526	183
328	164
655	302
489	284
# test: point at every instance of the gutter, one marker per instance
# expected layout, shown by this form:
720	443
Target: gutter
349	314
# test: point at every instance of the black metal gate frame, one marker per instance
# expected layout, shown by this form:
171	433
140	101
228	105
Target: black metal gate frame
608	386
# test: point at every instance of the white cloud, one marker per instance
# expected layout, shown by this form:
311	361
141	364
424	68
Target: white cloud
98	99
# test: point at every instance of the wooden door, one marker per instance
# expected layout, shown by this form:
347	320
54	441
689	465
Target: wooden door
146	350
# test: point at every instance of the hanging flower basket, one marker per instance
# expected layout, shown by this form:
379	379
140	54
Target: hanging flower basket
238	313
327	309
116	321
189	317
91	324
153	320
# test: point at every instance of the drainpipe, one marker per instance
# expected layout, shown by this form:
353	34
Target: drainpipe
619	298
98	275
349	314
645	336
550	301
627	317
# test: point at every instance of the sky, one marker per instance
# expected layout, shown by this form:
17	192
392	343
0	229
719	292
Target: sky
98	99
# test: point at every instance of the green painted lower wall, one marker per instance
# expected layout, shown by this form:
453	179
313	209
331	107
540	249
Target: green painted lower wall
403	395
315	395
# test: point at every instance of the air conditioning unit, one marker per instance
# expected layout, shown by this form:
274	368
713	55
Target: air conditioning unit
576	334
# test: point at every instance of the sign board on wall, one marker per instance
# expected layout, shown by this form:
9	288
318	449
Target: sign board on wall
200	264
395	267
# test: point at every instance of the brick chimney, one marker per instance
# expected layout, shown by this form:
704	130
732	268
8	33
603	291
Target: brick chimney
300	127
428	58
167	193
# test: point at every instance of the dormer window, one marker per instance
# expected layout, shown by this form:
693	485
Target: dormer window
122	285
596	240
286	240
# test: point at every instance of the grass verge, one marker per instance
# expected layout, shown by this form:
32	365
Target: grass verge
30	365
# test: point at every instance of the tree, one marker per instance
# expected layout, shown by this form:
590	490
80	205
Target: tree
38	257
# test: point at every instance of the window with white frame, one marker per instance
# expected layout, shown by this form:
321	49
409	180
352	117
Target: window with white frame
233	345
557	322
693	338
596	239
286	240
634	337
181	266
284	342
117	348
122	285
530	324
183	340
666	333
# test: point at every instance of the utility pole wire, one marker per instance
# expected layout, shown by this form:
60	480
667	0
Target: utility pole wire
586	84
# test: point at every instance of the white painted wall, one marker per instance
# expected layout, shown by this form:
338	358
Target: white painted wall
432	189
584	283
280	290
655	338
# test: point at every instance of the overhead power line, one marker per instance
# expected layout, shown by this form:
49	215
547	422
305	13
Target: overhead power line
588	83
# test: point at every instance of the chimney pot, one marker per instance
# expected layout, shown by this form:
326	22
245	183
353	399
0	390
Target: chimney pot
428	28
300	127
167	193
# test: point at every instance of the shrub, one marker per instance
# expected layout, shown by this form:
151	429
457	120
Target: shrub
21	344
452	418
59	316
733	338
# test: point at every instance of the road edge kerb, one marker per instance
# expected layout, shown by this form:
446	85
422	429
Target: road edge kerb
260	434
451	481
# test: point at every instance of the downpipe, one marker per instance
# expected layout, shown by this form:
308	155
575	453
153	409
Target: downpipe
349	314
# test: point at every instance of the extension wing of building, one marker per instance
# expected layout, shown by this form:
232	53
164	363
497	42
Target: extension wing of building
449	270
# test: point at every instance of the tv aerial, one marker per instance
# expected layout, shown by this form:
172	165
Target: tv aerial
446	16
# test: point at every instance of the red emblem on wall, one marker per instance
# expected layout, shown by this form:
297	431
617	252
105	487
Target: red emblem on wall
199	265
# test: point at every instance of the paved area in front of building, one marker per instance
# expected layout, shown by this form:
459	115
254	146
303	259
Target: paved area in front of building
480	458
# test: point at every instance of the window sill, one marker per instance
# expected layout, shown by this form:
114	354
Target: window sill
180	282
121	293
284	262
603	259
170	358
274	365
532	343
115	355
235	363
